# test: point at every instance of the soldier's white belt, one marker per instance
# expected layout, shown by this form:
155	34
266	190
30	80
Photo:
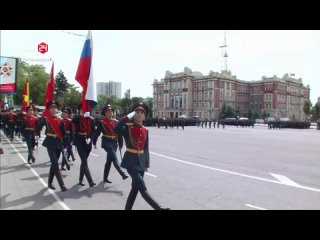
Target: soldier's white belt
82	133
52	135
130	150
109	136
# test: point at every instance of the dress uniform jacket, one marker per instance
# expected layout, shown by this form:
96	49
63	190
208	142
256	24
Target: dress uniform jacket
110	138
137	142
52	140
84	128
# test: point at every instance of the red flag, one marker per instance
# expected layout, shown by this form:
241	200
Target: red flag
25	96
49	92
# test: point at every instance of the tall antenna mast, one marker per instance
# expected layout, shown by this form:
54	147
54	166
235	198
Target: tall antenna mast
224	53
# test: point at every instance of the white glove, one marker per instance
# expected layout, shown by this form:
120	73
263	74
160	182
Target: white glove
86	114
131	115
36	138
65	152
88	141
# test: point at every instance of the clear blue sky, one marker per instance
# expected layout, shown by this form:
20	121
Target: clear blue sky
136	58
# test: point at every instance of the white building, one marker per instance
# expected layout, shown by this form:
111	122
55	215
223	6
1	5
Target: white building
109	88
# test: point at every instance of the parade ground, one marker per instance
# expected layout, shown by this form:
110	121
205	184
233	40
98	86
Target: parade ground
191	169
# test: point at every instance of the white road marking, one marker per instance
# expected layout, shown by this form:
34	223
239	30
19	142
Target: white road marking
96	155
152	175
256	207
238	174
285	180
62	204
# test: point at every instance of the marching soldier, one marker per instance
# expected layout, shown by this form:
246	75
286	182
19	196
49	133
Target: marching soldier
19	120
69	137
84	130
109	142
166	123
28	130
183	123
36	112
54	142
136	158
210	121
11	123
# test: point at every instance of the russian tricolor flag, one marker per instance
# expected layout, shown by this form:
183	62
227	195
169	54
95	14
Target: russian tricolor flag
85	78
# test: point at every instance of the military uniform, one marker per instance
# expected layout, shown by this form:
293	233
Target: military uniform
84	130
109	143
136	158
11	122
29	131
68	139
54	142
19	121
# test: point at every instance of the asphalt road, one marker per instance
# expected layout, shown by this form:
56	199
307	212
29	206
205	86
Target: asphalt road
231	168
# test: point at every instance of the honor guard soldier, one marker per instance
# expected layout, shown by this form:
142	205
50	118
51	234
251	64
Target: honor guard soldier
54	142
110	141
136	158
11	123
19	120
28	130
69	137
84	130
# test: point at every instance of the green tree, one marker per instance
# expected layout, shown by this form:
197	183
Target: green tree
249	114
149	102
112	100
135	100
61	84
125	102
38	80
307	107
256	114
229	112
317	111
71	98
264	114
238	112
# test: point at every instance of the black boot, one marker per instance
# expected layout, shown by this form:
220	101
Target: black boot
106	171
88	176
131	198
81	176
60	180
147	197
32	157
29	159
50	179
120	171
72	156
